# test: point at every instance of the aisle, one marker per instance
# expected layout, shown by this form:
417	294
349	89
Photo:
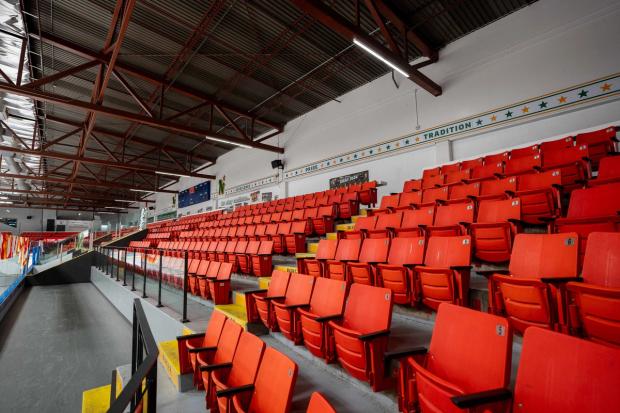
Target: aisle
56	342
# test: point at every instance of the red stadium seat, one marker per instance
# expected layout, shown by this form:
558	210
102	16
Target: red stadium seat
526	151
608	171
326	303
295	240
429	173
457	177
326	250
414	222
397	273
463	192
324	222
527	293
412	185
451	168
496	226
373	252
452	219
258	302
470	352
219	287
523	165
223	353
361	334
297	296
409	200
487	171
573	163
540	196
557	374
385	225
431	196
319	404
348	206
245	259
600	143
472	163
262	260
433	181
368	193
557	144
348	250
361	228
593	305
388	204
444	277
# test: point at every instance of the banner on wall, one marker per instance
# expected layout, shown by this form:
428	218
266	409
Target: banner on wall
346	180
195	195
266	196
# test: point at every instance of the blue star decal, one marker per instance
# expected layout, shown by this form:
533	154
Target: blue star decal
355	156
387	147
370	151
407	142
509	114
583	93
479	122
542	104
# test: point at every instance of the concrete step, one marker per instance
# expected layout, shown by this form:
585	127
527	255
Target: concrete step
345	227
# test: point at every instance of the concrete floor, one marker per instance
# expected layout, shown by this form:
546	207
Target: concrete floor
56	342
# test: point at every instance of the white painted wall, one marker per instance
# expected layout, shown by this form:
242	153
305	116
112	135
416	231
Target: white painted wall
550	45
37	222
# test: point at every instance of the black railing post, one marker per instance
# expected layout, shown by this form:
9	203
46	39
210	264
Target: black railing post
118	263
134	349
107	260
133	271
112	260
125	268
144	274
152	386
185	319
161	259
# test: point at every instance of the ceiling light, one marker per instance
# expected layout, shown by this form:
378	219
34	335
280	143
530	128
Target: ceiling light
116	207
242	145
173	174
125	200
6	202
378	56
141	190
4	197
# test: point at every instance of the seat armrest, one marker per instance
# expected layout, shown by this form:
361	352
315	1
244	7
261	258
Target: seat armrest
547	220
217	366
231	391
557	186
461	267
279	297
515	221
498	175
201	349
465	223
484	397
370	336
488	273
328	318
294	306
510	193
259	290
553	280
190	336
399	354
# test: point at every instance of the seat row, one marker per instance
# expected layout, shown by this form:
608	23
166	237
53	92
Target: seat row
239	373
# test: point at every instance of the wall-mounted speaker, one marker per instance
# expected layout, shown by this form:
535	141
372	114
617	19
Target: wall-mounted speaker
277	164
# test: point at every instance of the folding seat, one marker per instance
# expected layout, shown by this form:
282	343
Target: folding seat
608	171
229	250
456	177
600	143
397	273
388	204
319	404
368	193
326	250
486	172
279	244
307	196
433	181
279	208
276	217
348	206
348	250
373	252
573	163
295	240
385	226
557	144
360	336
192	267
245	259
496	225
242	371
250	232
298	215
451	168
286	216
330	192
290	205
261	232
523	165
496	158
470	352
219	286
429	173
262	260
258	302
257	219
241	232
297	296
309	215
526	151
271	231
557	374
540	196
414	222
324	222
472	163
431	196
527	293
203	279
444	277
271	392
361	227
322	200
410	200
342	190
220	254
594	303
463	192
497	188
452	219
412	185
223	353
298	204
310	203
190	345
211	251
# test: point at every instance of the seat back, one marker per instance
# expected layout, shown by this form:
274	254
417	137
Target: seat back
224	271
498	187
348	250
266	248
230	247
609	167
365	223
488	170
495	158
554	145
415	218
409	198
526	151
227	343
253	247
544	256
326	249
328	296
457	176
412	185
299	289
319	404
429	173
533	181
298	227
454	213
433	181
564	156
278	284
214	268
407	251
389	201
434	194
451	168
465	341
602	260
386	221
601	136
499	211
368	309
523	164
246	361
284	228
374	250
464	190
563	374
241	247
592	202
472	163
273	388
445	252
214	329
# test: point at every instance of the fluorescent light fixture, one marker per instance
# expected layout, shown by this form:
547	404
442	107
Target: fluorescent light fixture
125	200
10	192
115	207
141	190
379	57
4	197
172	174
242	145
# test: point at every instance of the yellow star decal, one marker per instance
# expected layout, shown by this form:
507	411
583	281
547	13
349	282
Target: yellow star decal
605	87
562	99
525	109
397	145
493	118
417	139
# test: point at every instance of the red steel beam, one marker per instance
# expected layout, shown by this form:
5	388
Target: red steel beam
60	75
75	195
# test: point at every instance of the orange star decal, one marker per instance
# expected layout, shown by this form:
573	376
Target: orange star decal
493	118
525	109
605	87
562	99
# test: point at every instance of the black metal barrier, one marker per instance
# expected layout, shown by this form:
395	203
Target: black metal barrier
140	393
110	261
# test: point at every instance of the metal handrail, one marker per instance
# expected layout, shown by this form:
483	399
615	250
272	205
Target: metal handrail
143	380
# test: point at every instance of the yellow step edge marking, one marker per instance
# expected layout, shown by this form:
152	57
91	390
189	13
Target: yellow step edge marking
363	212
263	283
354	218
235	312
286	268
96	400
345	227
187	331
331	235
169	358
305	255
313	247
239	298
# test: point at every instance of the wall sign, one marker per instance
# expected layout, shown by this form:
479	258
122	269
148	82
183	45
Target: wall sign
195	195
356	178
